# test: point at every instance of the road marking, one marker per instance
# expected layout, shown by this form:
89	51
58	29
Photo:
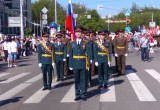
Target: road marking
4	74
15	77
9	94
69	97
38	96
154	74
108	95
139	87
34	79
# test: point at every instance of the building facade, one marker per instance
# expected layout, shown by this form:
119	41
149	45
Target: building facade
12	8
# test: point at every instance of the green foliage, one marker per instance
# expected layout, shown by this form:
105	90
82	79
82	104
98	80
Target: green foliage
95	22
139	17
50	5
28	32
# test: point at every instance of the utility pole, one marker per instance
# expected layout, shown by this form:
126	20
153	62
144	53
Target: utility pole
152	16
21	16
55	11
40	25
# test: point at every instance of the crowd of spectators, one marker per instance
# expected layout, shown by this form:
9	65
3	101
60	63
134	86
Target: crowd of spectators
13	48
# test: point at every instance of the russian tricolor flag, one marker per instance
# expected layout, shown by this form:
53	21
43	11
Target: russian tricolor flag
70	24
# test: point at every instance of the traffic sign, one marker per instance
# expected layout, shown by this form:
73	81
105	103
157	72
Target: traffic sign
152	24
44	10
44	22
127	29
44	16
128	13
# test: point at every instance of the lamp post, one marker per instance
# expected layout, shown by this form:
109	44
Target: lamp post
21	16
55	11
109	16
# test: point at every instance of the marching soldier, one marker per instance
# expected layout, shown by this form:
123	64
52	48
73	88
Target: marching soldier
90	51
93	39
121	51
113	46
60	56
78	62
46	61
102	51
66	68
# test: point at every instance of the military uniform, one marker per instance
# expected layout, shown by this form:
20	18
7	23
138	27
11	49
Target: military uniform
45	60
78	61
60	57
121	50
66	63
90	52
102	51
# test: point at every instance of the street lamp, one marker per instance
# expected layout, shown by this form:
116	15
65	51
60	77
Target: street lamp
21	16
55	11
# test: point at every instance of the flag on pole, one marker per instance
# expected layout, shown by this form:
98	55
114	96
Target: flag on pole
70	21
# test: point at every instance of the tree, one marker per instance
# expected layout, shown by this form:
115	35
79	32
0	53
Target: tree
50	5
28	32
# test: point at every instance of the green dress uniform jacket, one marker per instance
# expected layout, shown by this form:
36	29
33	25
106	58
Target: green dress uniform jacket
59	55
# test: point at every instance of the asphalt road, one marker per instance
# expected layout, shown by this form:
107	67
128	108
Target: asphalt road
139	89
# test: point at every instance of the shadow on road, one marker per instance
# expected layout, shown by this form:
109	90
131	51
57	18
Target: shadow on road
8	101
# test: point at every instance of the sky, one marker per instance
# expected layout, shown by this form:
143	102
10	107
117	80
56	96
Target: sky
111	7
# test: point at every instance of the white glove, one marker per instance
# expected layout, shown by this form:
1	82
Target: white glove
126	54
109	64
67	55
40	65
71	68
116	55
96	63
53	65
90	61
64	59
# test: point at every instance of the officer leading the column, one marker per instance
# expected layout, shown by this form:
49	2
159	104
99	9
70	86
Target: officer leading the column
78	62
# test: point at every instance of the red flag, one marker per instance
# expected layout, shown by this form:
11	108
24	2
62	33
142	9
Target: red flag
70	21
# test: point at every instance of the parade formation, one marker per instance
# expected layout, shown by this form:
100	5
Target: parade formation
83	55
79	61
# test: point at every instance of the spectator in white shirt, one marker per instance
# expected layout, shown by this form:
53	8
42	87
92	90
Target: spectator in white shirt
14	51
9	52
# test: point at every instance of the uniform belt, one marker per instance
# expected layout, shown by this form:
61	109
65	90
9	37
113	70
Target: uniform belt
102	53
78	57
120	47
59	53
46	55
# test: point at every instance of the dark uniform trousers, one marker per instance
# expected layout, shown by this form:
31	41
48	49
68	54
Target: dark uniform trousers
60	70
121	60
47	78
102	73
80	77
